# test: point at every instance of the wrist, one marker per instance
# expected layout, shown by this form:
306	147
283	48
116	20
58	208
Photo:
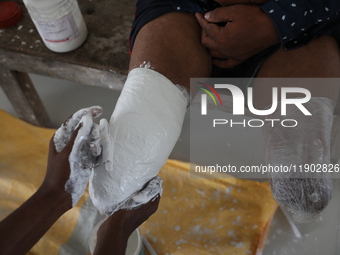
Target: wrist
112	237
116	222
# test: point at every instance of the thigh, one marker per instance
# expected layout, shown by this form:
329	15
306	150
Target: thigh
172	45
318	59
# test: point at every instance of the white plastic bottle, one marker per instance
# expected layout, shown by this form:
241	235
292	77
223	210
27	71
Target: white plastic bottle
59	23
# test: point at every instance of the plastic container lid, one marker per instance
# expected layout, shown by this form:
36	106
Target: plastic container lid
10	14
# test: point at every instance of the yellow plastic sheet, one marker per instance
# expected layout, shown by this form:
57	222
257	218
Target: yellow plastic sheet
209	216
23	161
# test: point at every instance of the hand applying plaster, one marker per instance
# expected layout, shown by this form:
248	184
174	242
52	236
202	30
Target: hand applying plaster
86	148
22	229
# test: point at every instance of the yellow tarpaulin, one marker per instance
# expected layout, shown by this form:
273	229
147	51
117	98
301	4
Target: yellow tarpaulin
195	216
23	161
209	216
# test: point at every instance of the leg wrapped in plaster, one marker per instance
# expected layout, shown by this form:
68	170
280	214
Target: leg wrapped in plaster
86	147
142	132
305	193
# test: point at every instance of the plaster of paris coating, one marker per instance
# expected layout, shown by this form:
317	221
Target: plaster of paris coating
143	130
153	188
86	148
150	192
303	193
63	134
80	164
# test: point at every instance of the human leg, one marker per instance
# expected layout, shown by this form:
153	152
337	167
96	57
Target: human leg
172	45
148	117
319	59
305	194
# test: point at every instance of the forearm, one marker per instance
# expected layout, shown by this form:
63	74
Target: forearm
112	237
113	234
25	226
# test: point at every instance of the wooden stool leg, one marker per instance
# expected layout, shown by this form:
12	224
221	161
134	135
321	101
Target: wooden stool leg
25	100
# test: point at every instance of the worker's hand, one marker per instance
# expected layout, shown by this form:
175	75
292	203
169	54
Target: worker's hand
151	189
86	146
132	219
247	31
113	234
100	178
58	168
23	228
64	133
233	2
